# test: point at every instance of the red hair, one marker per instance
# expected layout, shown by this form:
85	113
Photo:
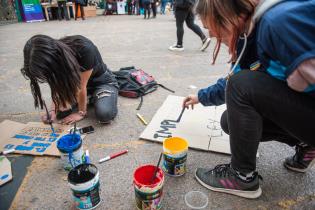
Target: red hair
226	15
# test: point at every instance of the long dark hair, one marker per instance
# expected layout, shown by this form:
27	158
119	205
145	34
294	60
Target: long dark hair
47	60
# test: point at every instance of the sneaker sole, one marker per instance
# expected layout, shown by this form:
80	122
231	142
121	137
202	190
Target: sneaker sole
298	169
177	50
248	194
204	47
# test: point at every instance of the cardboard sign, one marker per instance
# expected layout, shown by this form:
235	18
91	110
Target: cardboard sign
33	138
200	126
5	170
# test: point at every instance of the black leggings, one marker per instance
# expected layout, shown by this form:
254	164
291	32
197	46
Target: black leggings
146	6
187	15
153	6
262	108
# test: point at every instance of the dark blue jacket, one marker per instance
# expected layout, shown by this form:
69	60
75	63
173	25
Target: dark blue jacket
284	37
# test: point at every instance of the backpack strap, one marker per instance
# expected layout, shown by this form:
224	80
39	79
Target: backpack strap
141	101
162	86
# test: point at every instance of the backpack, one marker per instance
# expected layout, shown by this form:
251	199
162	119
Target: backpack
135	83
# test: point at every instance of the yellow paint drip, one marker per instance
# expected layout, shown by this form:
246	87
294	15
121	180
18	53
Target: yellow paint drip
174	145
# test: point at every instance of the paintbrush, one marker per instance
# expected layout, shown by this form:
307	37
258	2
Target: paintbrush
74	130
181	114
49	119
156	169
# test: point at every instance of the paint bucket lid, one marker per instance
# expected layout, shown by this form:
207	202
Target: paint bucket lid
143	175
69	143
196	200
175	145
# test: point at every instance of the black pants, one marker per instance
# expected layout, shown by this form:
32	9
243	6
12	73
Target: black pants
262	108
62	4
187	15
104	100
153	6
146	6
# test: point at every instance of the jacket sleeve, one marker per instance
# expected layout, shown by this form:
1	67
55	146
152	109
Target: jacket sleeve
214	94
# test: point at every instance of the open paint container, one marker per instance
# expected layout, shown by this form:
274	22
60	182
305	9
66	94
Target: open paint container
148	194
85	186
70	148
175	156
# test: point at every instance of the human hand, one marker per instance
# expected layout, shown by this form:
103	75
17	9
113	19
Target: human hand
52	117
72	118
190	100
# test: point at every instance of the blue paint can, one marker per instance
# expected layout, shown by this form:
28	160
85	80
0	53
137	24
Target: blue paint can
85	186
70	148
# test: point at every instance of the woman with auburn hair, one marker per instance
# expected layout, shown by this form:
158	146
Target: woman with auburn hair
74	69
270	90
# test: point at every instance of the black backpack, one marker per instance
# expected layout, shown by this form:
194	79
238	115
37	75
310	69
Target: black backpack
135	83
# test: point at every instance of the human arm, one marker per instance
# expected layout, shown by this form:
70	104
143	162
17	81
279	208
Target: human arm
286	47
212	95
81	99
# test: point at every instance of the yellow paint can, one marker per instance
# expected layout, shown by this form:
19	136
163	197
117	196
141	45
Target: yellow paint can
175	156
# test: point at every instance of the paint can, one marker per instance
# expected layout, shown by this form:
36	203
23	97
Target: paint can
85	186
175	156
70	148
148	194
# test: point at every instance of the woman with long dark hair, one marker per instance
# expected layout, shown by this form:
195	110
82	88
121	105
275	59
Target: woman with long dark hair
270	91
74	70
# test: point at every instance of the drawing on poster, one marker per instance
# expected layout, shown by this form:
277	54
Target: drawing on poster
166	127
35	139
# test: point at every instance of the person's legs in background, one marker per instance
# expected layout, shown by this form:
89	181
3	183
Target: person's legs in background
180	15
163	5
137	7
82	12
65	11
146	9
59	9
190	22
153	6
76	11
255	102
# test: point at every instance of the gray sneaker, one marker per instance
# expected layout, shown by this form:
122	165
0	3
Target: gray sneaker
303	159
205	44
223	178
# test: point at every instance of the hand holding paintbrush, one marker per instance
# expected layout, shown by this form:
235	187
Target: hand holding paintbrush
49	120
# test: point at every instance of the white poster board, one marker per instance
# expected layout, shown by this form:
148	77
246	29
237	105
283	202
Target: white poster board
200	127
